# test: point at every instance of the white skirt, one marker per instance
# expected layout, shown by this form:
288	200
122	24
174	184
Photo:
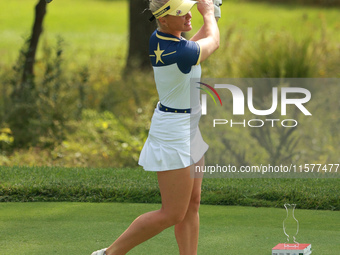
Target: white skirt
174	141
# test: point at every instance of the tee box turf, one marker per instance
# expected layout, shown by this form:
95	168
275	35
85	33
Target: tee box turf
292	249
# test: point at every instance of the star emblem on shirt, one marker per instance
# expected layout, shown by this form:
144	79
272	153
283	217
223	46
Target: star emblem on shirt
158	54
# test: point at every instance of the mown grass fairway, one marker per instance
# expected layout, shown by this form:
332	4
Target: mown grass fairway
80	228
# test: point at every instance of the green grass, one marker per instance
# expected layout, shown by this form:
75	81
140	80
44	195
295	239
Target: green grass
100	28
80	228
89	27
19	184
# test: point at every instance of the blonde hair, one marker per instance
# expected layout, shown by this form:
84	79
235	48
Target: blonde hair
155	5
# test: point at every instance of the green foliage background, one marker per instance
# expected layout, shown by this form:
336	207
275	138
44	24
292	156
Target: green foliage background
326	3
85	113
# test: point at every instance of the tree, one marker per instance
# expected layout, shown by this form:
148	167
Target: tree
140	30
29	52
22	111
40	11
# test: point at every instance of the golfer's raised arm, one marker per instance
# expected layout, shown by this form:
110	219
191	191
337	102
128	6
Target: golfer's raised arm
208	37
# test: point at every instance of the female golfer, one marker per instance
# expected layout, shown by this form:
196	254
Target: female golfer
174	145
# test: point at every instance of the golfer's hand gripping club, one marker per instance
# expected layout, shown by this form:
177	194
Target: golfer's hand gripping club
217	8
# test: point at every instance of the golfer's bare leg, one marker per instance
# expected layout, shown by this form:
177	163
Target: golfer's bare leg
187	231
176	188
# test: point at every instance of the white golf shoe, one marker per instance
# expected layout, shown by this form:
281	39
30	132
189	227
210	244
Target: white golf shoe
100	252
